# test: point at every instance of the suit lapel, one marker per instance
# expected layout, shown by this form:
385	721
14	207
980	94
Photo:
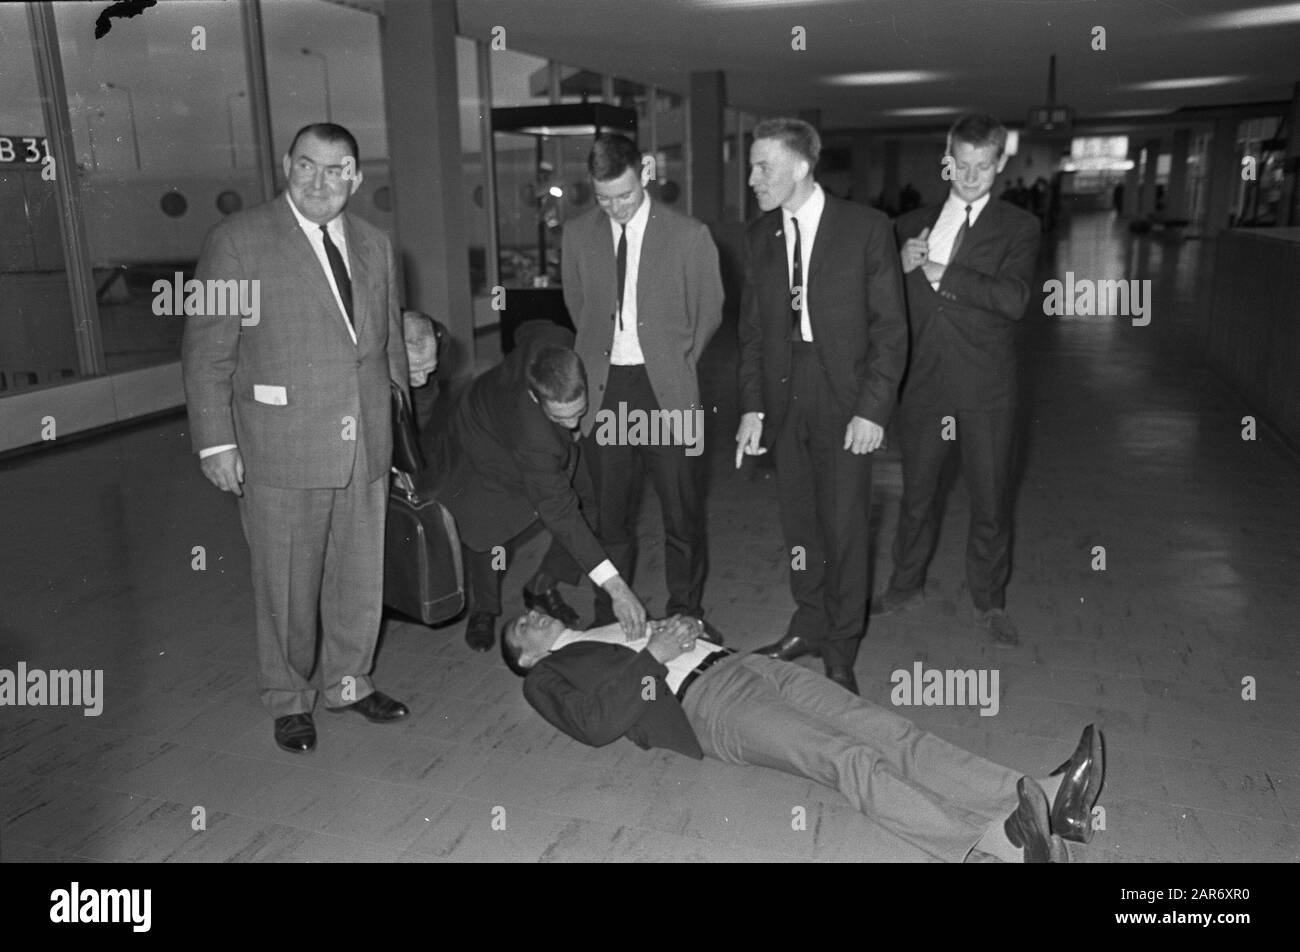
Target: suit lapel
824	238
359	256
601	242
302	257
654	247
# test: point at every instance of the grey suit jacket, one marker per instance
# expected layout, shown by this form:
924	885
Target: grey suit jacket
678	301
293	390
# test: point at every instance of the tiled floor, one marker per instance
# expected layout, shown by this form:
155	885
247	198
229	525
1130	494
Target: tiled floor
1128	446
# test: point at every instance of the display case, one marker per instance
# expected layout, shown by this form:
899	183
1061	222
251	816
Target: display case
540	177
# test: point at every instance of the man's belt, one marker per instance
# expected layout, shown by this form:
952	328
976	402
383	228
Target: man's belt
700	668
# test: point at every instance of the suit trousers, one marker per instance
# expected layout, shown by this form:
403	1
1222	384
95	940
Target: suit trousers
617	470
985	440
924	790
825	497
483	576
318	570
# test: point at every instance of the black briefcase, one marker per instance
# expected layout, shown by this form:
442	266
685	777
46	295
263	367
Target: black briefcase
423	574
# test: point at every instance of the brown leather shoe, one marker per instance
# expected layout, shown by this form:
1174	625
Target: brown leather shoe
789	648
376	706
296	733
842	675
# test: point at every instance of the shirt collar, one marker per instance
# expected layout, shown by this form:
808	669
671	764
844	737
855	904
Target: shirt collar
976	206
810	210
335	224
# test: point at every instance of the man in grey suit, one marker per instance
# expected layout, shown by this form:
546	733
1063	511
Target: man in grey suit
290	410
643	287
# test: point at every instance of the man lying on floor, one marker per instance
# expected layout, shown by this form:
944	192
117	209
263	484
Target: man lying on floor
675	689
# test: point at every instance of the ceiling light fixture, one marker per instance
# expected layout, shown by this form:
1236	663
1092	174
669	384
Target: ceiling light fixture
886	77
1190	82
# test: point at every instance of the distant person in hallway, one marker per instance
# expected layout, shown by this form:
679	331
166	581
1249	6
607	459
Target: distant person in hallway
672	688
508	457
644	289
823	344
293	415
969	263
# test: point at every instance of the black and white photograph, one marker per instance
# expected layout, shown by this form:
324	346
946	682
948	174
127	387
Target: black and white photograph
650	431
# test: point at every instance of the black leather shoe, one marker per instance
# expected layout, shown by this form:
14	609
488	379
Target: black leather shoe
296	733
1082	776
842	675
1028	827
480	631
789	648
376	706
551	602
892	602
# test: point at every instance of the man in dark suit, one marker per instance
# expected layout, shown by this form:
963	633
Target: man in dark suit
642	285
969	263
509	457
290	410
823	343
675	689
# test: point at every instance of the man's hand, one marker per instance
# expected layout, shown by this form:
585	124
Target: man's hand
934	272
225	470
916	251
749	437
863	436
421	346
673	637
627	608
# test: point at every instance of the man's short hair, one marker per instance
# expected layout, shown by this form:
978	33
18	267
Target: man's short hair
328	132
611	155
796	135
556	374
978	130
510	653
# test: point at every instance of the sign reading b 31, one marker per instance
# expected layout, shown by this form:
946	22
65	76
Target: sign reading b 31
24	150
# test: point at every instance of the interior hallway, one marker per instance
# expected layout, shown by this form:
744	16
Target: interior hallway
1130	446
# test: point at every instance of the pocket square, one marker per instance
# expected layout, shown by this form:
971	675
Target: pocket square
275	396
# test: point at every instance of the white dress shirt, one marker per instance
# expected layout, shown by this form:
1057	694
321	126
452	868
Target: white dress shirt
312	231
809	216
626	350
946	226
678	668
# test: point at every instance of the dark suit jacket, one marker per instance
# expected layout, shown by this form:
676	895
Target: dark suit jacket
678	301
500	464
855	298
595	693
964	334
300	344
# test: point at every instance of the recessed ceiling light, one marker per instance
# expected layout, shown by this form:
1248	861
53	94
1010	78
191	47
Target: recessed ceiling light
885	77
922	111
1190	82
740	4
1276	15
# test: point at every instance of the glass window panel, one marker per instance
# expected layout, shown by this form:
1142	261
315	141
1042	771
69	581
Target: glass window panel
37	339
164	150
323	64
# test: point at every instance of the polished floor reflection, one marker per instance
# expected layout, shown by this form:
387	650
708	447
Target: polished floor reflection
120	557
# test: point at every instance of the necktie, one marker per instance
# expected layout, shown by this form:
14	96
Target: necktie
341	279
959	237
622	273
796	284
